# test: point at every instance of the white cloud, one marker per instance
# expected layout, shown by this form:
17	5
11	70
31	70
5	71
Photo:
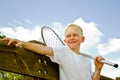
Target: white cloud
7	31
22	33
113	45
91	32
28	21
17	22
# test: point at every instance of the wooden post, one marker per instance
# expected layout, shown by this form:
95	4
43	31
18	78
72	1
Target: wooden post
25	62
117	78
105	78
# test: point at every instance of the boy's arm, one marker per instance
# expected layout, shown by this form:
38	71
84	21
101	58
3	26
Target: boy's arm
38	48
96	75
98	67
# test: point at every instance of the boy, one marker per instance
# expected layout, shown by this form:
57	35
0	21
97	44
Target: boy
73	65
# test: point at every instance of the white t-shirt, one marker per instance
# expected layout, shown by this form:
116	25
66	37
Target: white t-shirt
72	66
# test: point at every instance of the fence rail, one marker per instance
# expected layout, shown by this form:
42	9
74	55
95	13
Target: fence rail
22	61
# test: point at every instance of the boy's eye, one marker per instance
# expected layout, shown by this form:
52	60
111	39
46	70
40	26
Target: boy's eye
75	35
68	36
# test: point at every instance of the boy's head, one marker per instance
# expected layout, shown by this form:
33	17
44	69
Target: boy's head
74	26
74	36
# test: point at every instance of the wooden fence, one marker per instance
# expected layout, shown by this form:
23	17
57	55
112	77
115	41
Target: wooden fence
29	64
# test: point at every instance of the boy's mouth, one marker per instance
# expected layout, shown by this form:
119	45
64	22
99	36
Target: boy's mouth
72	41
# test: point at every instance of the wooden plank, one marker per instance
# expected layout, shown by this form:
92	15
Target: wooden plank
105	78
117	78
4	75
22	61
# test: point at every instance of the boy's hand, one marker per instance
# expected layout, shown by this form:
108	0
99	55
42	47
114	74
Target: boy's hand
98	64
10	41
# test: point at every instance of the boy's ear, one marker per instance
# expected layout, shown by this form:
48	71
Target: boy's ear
64	41
83	38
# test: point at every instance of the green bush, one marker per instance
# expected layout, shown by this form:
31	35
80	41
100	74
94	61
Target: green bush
2	35
9	76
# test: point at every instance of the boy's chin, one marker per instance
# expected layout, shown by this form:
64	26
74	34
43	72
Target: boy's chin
72	46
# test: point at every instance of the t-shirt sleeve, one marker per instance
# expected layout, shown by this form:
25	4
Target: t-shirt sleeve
59	54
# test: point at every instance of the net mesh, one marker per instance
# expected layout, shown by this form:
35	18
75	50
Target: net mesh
50	38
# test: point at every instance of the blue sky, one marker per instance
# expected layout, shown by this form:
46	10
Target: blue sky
102	12
99	18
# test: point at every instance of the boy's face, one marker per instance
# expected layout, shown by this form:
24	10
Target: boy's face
73	38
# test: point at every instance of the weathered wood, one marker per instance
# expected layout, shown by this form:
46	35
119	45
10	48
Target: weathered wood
5	75
105	78
117	78
22	61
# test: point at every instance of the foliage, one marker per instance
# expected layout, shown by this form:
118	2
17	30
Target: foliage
2	35
9	76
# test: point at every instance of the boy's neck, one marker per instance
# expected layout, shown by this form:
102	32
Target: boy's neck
76	51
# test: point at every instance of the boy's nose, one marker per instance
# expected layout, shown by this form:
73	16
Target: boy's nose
71	37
